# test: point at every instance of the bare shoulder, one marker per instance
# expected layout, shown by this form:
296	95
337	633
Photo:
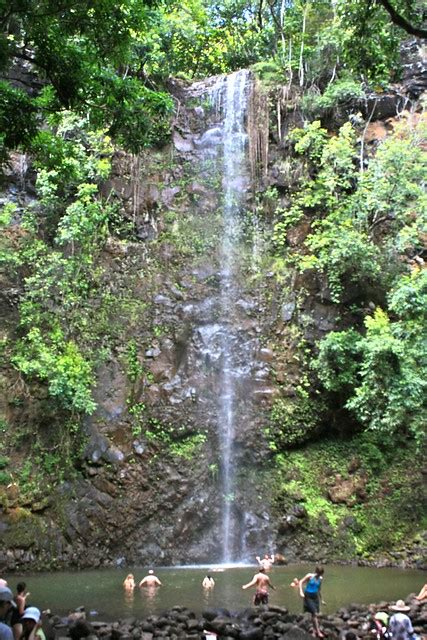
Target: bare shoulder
307	577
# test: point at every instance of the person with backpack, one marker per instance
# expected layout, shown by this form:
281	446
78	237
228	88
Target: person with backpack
379	625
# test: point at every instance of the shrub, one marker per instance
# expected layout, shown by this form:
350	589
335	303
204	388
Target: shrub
344	91
293	421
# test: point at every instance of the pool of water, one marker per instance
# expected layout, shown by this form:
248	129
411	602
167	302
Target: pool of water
101	591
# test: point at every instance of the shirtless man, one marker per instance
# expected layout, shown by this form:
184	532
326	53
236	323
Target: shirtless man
266	562
150	581
262	583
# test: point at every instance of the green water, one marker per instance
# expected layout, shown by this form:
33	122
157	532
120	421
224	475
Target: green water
102	591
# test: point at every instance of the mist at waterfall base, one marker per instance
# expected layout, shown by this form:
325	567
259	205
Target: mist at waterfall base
101	591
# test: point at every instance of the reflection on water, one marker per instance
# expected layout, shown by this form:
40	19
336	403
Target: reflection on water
151	597
129	598
148	596
102	590
208	597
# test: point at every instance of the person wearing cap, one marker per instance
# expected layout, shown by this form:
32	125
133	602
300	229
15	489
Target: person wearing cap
6	602
400	625
31	625
379	625
150	580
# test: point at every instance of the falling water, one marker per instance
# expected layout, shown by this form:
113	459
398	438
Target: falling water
230	99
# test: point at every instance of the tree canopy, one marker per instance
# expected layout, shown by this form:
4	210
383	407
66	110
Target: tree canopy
109	60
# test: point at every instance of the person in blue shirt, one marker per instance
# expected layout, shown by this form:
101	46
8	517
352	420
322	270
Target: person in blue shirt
400	625
312	597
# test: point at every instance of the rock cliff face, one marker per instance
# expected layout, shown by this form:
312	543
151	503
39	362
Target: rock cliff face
148	487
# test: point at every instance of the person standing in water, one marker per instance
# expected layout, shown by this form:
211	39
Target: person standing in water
150	580
262	584
312	597
129	582
208	582
266	562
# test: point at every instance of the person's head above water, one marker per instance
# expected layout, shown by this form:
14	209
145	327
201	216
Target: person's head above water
261	570
319	571
150	571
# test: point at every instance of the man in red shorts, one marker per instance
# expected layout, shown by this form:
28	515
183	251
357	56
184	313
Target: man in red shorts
262	584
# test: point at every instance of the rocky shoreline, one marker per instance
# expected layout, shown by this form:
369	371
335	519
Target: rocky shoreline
248	624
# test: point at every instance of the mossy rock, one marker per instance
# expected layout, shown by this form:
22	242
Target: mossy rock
294	421
24	529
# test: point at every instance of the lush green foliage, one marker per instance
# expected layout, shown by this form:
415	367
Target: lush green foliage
379	521
87	55
50	358
18	124
343	92
60	276
362	223
383	373
174	441
346	206
109	61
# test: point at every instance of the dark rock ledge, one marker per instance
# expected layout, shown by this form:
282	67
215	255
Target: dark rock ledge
248	624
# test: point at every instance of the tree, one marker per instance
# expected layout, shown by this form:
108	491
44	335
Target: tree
402	22
382	375
84	55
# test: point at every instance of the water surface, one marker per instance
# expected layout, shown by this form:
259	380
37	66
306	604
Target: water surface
102	591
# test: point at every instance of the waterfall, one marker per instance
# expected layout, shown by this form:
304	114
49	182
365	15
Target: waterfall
223	138
230	99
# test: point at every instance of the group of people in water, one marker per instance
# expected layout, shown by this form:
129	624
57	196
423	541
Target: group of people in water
18	621
398	625
150	580
309	589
